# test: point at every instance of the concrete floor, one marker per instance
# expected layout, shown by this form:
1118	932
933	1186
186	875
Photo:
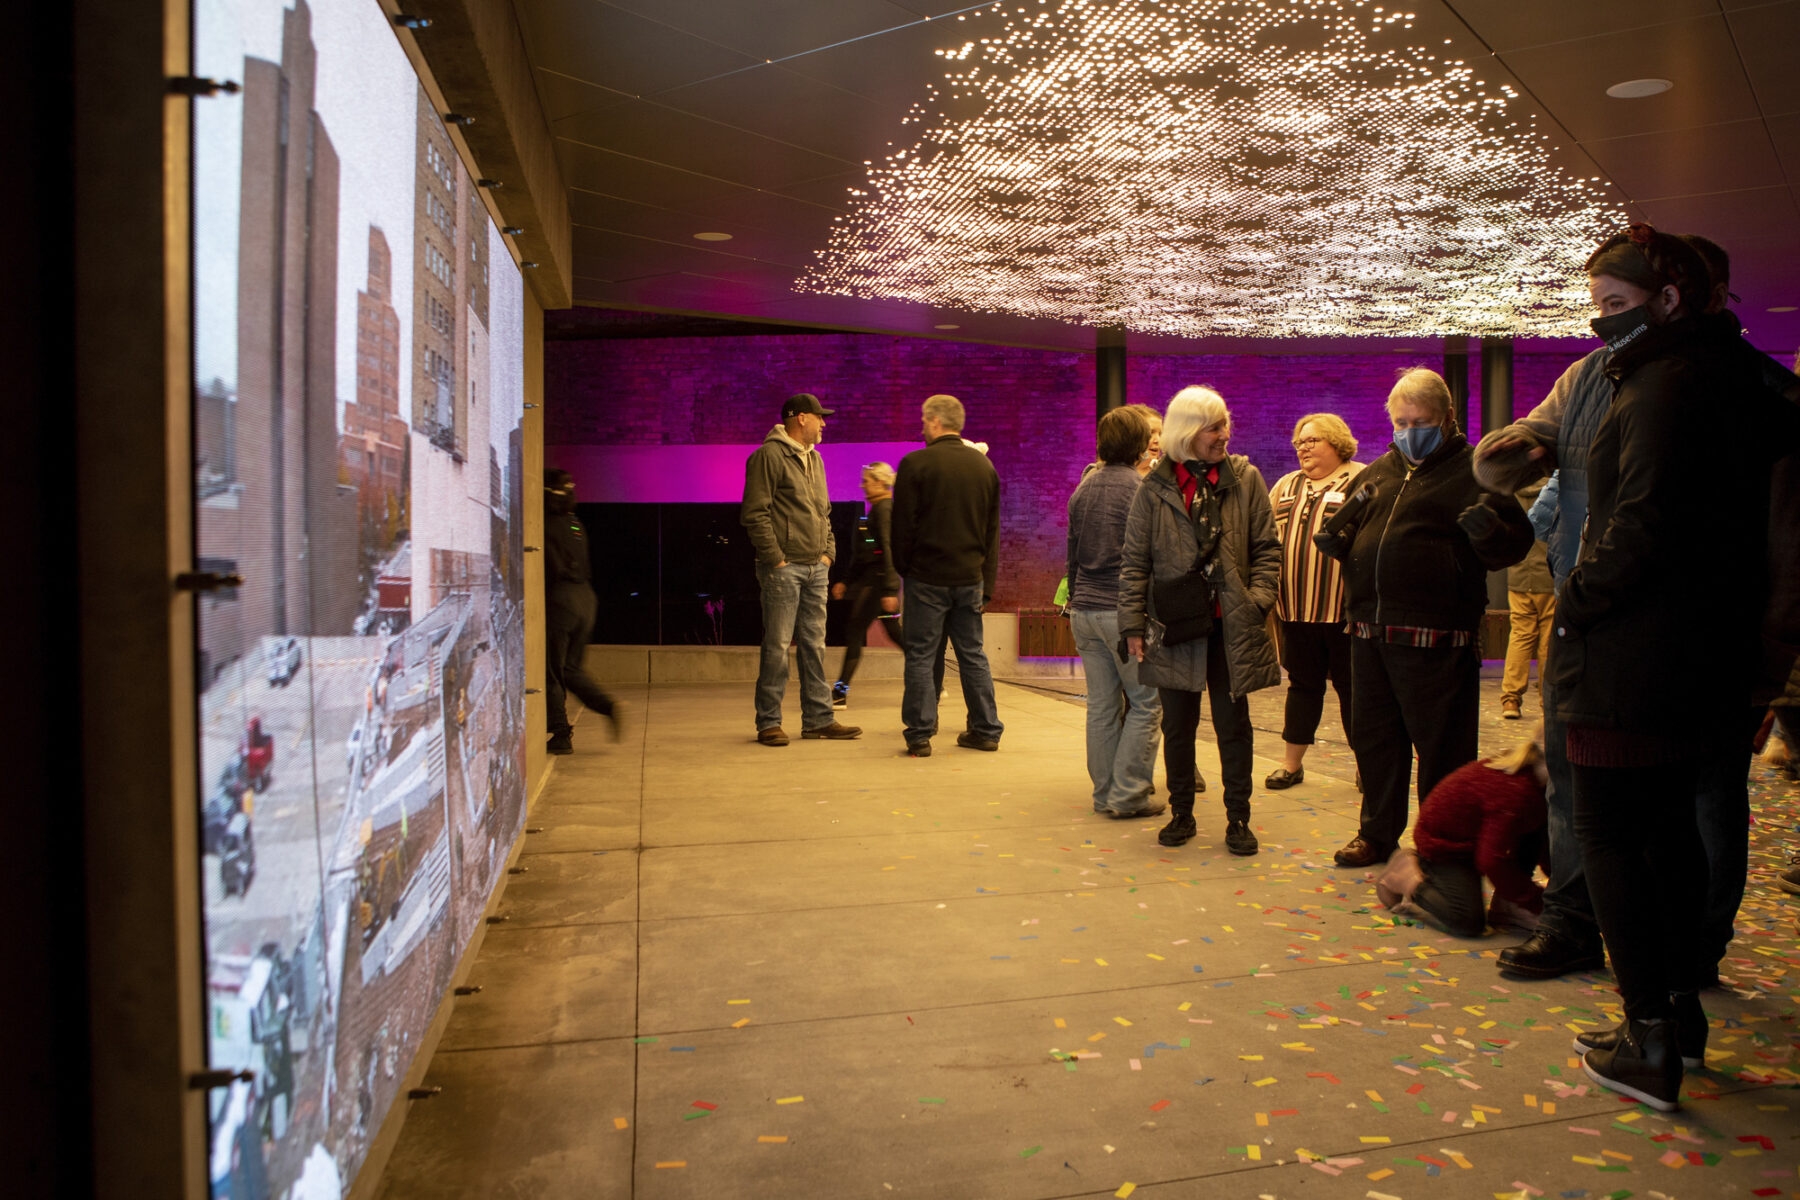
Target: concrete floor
831	970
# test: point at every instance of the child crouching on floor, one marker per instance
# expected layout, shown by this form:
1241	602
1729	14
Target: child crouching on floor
1485	818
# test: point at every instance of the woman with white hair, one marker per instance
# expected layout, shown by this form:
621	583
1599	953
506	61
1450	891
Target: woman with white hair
874	585
1197	579
1416	559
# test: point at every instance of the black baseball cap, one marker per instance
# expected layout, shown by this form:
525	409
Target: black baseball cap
804	402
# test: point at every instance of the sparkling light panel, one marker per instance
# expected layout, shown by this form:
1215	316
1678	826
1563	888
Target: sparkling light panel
1223	168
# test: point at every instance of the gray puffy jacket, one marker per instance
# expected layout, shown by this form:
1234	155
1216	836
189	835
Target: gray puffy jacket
1160	545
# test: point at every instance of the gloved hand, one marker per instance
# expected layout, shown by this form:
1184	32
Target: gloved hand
1479	521
1332	545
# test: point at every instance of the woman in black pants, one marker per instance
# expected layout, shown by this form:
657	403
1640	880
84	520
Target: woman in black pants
873	586
1197	579
1654	642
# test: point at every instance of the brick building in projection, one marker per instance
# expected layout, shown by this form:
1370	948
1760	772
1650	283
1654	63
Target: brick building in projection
373	445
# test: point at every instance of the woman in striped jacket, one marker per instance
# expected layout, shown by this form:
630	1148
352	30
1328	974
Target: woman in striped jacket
1314	642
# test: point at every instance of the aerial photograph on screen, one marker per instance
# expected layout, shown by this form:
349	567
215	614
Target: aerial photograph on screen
358	358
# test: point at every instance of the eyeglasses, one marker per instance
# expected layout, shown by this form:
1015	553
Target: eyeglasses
1303	443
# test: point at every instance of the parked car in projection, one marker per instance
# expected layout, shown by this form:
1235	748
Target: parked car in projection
284	661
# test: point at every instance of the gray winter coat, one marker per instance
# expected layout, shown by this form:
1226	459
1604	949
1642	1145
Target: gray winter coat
1246	573
786	508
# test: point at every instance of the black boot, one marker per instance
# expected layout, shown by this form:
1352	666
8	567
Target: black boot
1645	1065
1690	1032
1547	954
1180	828
561	743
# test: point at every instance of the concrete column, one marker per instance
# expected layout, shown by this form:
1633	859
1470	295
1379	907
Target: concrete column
1109	369
1496	383
1456	374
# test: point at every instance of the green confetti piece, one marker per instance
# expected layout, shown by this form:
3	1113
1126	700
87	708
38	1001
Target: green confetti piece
693	1116
931	1100
1030	1152
1378	1106
643	1041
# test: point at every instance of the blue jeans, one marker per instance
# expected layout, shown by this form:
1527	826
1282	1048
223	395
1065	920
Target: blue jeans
793	607
1568	912
1121	758
927	612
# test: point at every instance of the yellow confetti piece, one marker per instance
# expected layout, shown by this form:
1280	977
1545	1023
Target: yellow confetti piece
1262	1118
1227	929
1157	957
1061	1024
661	1165
1530	1100
1374	1176
1096	1037
1100	962
1263	1082
1617	1155
790	1099
1125	1189
740	1022
1251	1057
1374	1095
1629	1117
1184	1006
1549	1109
767	1139
1592	1162
1459	1160
621	1123
1255	1153
1375	1140
1121	1021
737	1002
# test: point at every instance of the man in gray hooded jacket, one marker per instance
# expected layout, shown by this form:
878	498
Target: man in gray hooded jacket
787	512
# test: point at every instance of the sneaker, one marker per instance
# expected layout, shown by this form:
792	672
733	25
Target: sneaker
920	749
561	743
1284	778
973	741
1179	829
1362	853
834	731
840	694
1643	1065
1238	838
772	736
1509	710
1690	1032
1152	809
1547	954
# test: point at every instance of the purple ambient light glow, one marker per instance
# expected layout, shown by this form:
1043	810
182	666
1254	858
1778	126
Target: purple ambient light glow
702	474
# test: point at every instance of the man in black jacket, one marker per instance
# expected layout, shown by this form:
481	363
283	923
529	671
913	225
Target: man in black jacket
569	608
946	544
1415	581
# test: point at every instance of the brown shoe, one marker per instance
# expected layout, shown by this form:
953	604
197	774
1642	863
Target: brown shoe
772	736
834	731
1509	710
1360	853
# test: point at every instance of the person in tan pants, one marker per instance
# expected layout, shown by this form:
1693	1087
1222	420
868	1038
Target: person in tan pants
1530	592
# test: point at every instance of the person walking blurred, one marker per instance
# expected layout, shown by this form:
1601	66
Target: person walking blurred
1531	597
569	611
874	585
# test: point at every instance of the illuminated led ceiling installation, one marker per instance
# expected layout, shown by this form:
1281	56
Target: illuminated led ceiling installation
1222	167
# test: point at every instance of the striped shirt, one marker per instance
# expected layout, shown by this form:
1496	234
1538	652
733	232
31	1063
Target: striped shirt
1312	585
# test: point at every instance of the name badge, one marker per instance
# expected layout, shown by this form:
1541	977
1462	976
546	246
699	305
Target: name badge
1334	497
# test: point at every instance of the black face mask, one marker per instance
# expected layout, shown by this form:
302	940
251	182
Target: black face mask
1622	329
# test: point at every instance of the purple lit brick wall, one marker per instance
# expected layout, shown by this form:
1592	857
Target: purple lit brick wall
1035	408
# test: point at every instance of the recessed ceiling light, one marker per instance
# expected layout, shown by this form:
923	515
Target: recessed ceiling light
713	237
1637	89
959	326
1785	308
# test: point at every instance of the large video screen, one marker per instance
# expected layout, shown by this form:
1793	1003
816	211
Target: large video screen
358	355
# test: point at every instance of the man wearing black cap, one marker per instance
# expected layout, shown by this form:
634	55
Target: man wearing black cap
788	514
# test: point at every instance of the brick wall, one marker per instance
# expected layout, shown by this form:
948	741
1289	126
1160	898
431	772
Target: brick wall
1035	408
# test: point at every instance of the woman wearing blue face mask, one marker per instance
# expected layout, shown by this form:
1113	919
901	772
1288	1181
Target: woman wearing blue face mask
1416	559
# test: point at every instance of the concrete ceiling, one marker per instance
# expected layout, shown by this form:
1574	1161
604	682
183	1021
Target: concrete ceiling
755	118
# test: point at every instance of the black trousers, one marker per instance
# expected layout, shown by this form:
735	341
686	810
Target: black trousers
568	620
1409	697
1312	652
1646	874
865	606
1451	893
1231	726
